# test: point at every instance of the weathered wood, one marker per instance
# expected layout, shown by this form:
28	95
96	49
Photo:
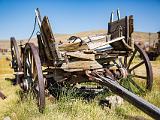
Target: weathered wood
81	55
69	47
80	65
135	100
120	39
122	27
2	95
51	48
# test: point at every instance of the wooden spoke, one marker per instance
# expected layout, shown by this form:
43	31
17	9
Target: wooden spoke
131	59
136	66
136	85
139	76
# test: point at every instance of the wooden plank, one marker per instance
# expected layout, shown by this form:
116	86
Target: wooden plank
50	45
112	41
81	55
72	47
135	100
80	65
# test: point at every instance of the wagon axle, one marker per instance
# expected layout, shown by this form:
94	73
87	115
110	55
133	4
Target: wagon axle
112	73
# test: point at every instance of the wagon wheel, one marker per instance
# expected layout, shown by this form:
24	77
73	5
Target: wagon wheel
139	71
16	62
33	81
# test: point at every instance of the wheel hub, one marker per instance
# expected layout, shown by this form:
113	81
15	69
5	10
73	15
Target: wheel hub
25	85
119	73
123	72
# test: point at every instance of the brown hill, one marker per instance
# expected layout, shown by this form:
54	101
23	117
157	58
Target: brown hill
138	36
145	37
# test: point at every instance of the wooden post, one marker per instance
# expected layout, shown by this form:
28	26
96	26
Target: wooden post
2	95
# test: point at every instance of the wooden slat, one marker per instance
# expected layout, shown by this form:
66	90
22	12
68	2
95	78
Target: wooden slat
72	47
81	55
80	65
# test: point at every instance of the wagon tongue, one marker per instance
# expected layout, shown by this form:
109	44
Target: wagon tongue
135	100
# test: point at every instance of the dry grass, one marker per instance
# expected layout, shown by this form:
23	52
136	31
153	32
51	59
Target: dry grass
67	108
6	87
4	65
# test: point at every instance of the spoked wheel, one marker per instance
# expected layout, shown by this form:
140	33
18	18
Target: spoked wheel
33	81
16	62
138	70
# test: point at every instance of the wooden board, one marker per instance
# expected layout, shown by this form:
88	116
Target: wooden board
81	55
80	66
72	47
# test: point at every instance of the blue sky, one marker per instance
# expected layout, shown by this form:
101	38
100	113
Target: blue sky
71	16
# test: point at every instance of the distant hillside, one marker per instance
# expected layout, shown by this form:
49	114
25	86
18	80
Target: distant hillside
138	36
4	44
143	36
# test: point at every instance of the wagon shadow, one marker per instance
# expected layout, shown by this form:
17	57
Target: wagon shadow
12	80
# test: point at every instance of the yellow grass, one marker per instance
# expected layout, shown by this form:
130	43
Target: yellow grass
4	69
66	108
6	87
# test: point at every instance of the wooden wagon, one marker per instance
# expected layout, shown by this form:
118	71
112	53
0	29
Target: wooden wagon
109	60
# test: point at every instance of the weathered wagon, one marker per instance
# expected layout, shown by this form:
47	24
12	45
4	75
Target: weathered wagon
109	60
154	50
